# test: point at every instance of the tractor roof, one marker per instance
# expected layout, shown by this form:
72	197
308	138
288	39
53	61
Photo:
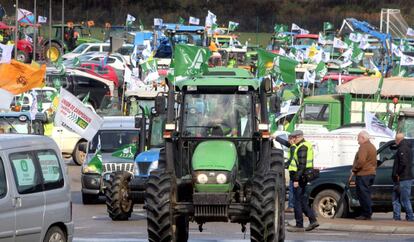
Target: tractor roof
221	76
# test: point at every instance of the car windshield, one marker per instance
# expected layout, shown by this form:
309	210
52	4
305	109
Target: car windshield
80	49
188	38
45	96
113	140
305	41
217	115
406	126
157	125
11	125
134	109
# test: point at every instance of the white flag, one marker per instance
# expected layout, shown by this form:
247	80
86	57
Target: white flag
375	126
337	43
295	27
6	53
410	32
130	18
210	19
326	56
25	16
282	51
41	19
406	60
75	116
318	56
321	39
355	37
347	55
157	21
309	77
193	20
396	50
304	31
6	98
33	107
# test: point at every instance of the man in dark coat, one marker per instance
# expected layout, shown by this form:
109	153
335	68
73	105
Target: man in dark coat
403	178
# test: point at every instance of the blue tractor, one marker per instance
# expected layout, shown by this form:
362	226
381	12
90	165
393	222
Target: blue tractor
126	188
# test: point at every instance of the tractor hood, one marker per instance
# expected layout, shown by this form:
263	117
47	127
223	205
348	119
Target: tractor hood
148	156
215	155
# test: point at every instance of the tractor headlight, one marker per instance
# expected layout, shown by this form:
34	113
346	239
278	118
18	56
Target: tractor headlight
221	178
136	169
153	166
202	178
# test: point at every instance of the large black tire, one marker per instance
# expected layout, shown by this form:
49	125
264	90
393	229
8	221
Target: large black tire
77	155
56	51
118	202
326	202
276	160
22	56
55	233
162	224
90	198
267	206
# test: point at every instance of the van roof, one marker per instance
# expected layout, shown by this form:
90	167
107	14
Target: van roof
11	141
118	122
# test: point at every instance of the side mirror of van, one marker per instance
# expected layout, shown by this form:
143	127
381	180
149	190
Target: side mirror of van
160	104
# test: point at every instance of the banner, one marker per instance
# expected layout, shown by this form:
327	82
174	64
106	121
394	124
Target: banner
374	125
6	53
190	60
406	60
41	19
75	116
157	21
126	152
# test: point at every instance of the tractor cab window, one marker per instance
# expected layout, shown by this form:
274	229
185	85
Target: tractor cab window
406	126
316	112
157	126
14	125
109	141
217	115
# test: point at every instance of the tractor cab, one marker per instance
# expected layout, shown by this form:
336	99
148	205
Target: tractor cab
22	123
217	163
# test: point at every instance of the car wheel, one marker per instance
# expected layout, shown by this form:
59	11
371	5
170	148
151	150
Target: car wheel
77	155
55	234
325	204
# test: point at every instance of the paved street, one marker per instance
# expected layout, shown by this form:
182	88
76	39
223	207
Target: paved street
93	224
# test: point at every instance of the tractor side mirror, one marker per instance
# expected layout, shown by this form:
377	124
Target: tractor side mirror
138	122
267	85
160	104
274	103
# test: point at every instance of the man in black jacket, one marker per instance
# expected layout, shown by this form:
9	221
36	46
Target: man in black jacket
403	178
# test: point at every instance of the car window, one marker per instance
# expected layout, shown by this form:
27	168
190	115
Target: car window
25	174
316	112
3	182
87	67
111	60
83	81
51	170
94	48
106	48
387	155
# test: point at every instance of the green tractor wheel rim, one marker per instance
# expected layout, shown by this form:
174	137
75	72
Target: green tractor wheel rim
53	54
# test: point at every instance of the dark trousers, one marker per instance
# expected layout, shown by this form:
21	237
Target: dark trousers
363	190
302	206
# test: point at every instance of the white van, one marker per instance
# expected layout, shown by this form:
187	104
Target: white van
35	200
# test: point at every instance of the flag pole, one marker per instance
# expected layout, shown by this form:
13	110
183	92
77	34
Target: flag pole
63	25
15	31
35	31
50	29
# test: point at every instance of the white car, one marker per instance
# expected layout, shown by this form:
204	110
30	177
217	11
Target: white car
114	60
86	48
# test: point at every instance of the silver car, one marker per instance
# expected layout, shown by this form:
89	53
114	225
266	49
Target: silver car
35	200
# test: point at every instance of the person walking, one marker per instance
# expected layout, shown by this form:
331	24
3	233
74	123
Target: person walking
403	179
302	159
364	170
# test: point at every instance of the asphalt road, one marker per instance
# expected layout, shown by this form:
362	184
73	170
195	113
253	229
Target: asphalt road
93	224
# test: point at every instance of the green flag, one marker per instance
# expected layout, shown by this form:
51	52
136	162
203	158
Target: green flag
279	28
214	27
321	70
141	25
279	65
190	60
357	54
232	26
181	20
96	161
327	26
126	152
149	66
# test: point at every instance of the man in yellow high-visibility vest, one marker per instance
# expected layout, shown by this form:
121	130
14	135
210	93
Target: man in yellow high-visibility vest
302	159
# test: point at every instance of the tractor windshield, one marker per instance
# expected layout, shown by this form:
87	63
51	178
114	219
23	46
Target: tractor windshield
217	115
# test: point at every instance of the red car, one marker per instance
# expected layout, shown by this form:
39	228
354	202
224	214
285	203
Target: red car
106	72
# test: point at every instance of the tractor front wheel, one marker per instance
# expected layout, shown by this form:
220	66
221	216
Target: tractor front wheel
162	224
118	202
266	208
52	52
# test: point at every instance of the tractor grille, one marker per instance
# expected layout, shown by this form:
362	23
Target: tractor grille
144	167
113	167
211	210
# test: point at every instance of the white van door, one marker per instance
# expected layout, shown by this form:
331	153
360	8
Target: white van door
7	209
30	200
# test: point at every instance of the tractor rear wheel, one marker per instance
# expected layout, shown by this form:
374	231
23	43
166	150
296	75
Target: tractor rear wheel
118	202
52	52
162	224
267	207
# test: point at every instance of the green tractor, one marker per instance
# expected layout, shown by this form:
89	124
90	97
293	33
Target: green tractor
217	164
